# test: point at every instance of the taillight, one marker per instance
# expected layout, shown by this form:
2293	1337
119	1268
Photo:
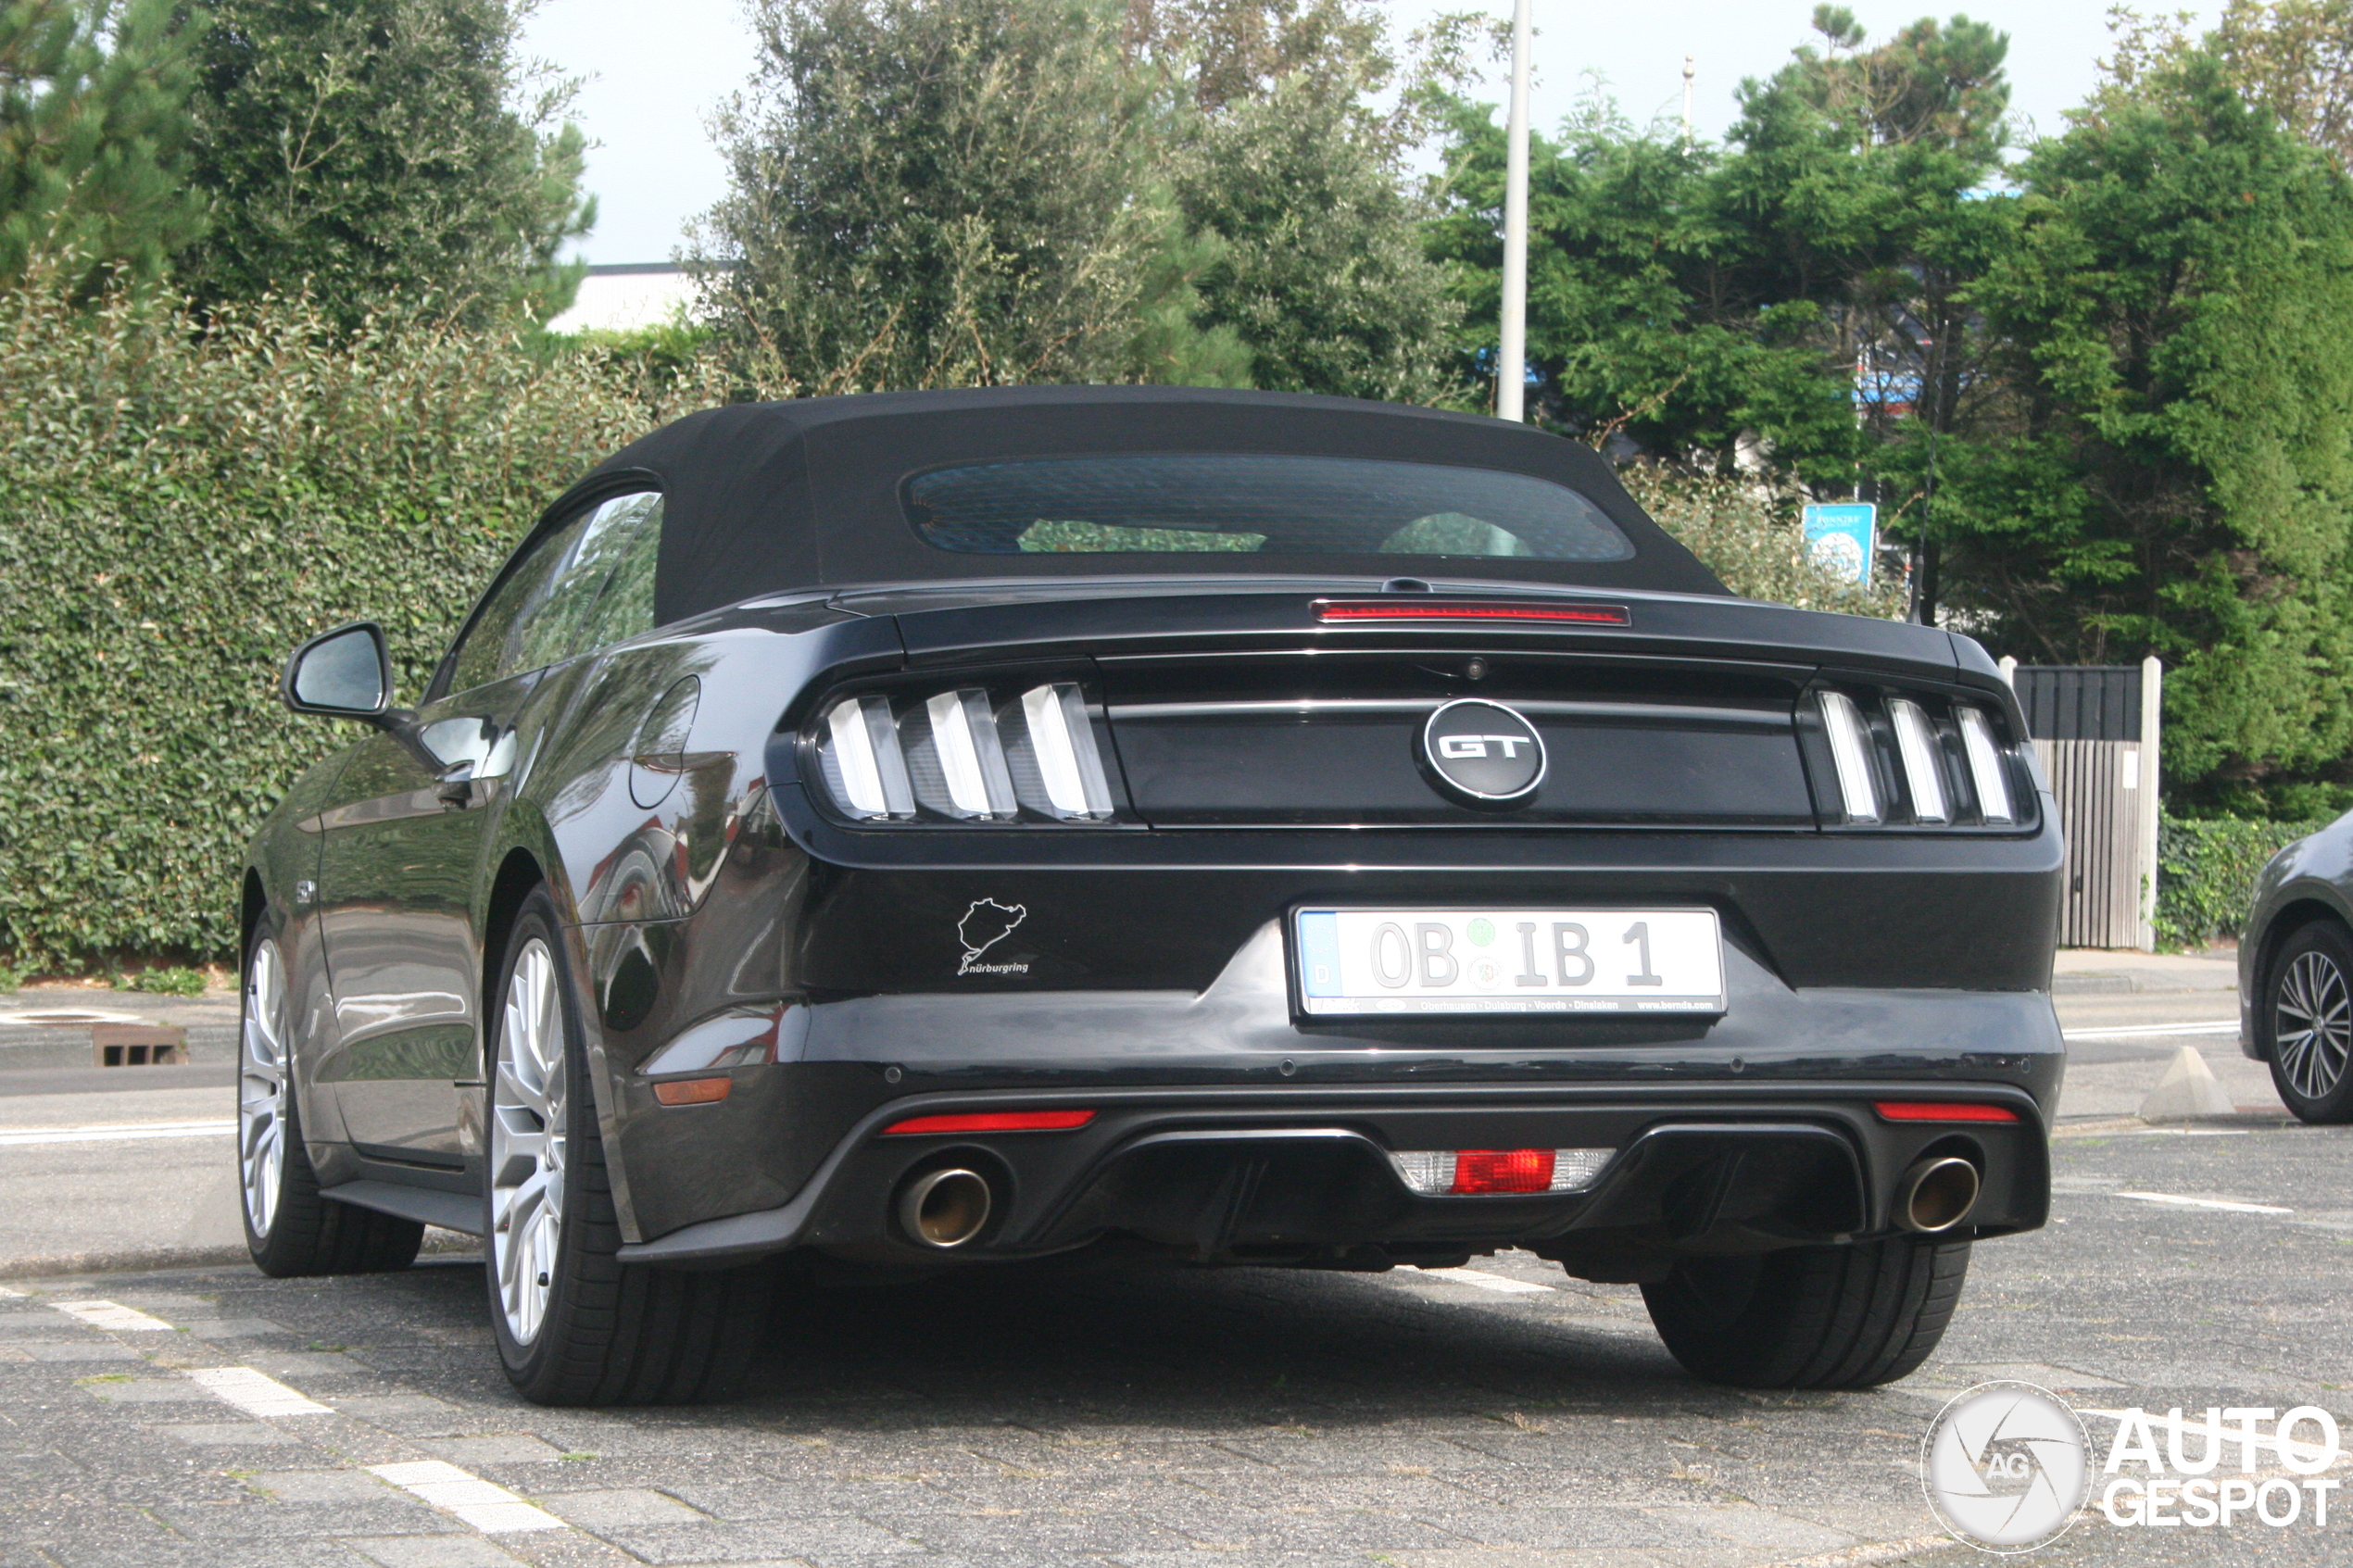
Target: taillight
968	754
1909	759
1941	1111
1470	1172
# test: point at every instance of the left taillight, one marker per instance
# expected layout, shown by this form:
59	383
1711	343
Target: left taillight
1888	758
972	753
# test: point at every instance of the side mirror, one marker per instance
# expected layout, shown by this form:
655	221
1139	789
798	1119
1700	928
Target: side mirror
345	673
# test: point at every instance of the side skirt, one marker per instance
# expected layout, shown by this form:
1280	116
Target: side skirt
448	1209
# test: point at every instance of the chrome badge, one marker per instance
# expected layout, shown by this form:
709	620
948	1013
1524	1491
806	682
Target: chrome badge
1483	753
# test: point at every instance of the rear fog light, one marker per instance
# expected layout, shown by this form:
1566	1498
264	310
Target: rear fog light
1475	1172
1941	1111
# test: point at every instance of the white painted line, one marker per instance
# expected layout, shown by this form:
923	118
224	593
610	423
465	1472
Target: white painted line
255	1393
52	1018
1482	1280
16	1294
128	1132
492	1509
2225	1204
106	1315
2159	1031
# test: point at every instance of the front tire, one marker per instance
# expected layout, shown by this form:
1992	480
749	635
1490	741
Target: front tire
290	1229
574	1324
2307	1012
1811	1317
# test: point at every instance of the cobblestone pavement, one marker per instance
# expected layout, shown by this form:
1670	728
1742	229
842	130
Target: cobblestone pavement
1155	1416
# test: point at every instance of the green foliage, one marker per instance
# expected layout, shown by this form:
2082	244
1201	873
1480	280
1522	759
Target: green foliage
170	980
177	509
1747	533
2206	871
2180	478
93	124
381	151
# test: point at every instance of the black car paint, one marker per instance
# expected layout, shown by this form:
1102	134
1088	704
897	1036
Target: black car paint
736	907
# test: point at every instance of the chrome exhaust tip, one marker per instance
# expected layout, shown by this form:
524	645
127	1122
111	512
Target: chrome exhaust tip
1936	1195
944	1208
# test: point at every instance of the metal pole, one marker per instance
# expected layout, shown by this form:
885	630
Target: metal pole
1511	357
1691	69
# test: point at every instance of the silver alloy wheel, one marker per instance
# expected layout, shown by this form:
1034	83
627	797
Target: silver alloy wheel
262	1086
2312	1024
527	1143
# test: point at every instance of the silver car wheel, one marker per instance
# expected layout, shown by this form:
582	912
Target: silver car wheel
262	1086
527	1143
2312	1024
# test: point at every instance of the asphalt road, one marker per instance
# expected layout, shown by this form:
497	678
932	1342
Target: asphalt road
1503	1416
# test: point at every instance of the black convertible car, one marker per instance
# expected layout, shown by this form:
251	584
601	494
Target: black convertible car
941	829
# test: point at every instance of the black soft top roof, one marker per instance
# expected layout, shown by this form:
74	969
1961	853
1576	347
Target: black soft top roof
767	497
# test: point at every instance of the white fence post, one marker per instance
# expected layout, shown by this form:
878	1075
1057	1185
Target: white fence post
2152	695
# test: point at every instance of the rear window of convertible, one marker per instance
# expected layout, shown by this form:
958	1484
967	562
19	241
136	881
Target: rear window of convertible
1181	503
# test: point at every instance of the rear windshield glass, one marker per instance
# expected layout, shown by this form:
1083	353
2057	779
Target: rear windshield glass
1178	503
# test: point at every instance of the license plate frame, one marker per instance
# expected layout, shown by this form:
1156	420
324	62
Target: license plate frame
1327	985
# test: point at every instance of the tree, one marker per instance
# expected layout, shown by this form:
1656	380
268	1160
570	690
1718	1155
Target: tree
2180	480
378	151
92	130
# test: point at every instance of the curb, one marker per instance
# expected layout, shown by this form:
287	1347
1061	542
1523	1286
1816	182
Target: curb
142	1260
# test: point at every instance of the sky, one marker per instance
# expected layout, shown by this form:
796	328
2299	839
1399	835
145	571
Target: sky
654	74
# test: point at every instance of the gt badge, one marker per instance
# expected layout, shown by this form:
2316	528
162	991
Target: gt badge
1483	753
987	923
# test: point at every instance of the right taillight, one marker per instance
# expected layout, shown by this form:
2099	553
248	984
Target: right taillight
1911	760
972	753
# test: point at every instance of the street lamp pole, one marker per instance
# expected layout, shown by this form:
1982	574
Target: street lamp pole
1511	359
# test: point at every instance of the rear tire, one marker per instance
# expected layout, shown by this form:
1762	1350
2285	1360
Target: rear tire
1811	1317
290	1229
2307	1019
597	1331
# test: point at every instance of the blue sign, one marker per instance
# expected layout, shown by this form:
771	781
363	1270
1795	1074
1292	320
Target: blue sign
1840	538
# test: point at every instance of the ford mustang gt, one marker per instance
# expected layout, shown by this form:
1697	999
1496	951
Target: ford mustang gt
940	829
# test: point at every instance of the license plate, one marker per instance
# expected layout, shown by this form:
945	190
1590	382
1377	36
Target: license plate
1509	960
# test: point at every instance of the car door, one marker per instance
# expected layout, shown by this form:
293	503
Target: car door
404	850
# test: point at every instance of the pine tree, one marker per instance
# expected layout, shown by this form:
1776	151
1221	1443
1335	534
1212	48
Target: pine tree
93	125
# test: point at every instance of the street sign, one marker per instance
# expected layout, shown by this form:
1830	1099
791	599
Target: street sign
1840	537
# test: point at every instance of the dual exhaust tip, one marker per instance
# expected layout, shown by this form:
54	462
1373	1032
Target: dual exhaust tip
945	1209
1935	1195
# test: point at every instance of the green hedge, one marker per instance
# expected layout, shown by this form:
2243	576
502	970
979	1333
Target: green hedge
177	511
2206	871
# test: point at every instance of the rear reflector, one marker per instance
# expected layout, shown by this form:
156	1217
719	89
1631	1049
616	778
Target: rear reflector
1426	610
1941	1111
1472	1172
693	1091
994	1121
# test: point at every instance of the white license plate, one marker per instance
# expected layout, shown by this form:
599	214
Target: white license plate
1509	960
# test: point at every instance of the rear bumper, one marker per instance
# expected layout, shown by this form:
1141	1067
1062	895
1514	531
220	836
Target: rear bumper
1199	1095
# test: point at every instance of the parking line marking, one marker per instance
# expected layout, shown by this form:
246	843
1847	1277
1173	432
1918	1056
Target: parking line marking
128	1132
110	1315
491	1509
1481	1279
2226	1205
2134	1031
255	1393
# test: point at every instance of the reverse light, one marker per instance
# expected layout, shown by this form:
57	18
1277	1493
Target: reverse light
1941	1111
992	1122
1477	1171
1923	768
1330	611
1985	770
1849	756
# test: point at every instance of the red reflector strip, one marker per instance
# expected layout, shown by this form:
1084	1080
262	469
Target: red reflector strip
1502	1169
1382	609
1941	1111
994	1121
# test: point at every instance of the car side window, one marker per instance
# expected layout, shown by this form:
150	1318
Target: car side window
631	535
556	605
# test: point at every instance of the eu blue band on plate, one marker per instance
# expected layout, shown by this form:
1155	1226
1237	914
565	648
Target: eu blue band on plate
1319	952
